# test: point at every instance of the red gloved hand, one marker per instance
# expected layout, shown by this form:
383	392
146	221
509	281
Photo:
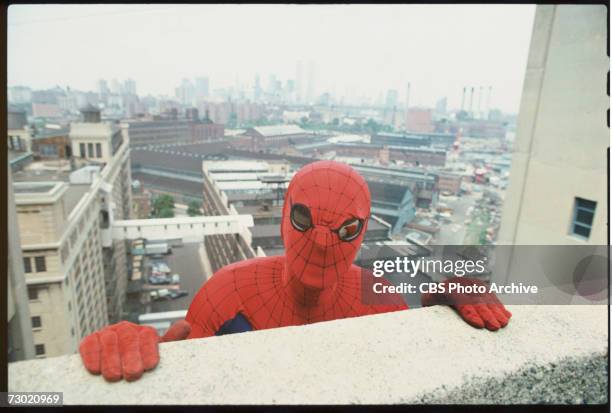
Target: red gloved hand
126	349
477	309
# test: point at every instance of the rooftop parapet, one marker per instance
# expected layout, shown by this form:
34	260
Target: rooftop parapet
404	357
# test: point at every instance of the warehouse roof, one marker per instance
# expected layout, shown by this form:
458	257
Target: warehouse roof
277	130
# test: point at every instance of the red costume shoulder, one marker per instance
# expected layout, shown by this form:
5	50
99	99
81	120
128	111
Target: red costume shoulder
235	288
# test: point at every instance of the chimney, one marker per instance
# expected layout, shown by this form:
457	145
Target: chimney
471	100
408	96
479	99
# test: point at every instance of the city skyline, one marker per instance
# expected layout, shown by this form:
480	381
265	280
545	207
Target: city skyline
353	55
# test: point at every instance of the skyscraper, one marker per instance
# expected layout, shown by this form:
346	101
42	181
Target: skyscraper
299	82
129	87
186	92
103	87
310	82
441	106
391	100
116	87
202	88
407	103
272	84
257	88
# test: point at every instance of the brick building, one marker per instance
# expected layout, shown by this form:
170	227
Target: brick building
419	120
51	142
204	130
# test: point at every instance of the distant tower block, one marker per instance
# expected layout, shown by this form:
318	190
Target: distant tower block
471	100
408	96
479	99
488	107
463	100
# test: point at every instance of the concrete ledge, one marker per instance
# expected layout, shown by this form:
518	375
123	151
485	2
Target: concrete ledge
415	356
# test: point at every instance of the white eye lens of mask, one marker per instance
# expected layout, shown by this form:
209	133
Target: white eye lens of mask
349	230
300	217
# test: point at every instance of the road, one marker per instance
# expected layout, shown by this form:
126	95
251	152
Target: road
187	262
454	233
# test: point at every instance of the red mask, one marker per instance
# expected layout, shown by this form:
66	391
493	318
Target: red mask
325	216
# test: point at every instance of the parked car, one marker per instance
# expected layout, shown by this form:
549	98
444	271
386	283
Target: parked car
177	293
175	279
161	267
163	294
159	279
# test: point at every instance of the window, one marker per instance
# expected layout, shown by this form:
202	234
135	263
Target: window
82	150
33	293
69	306
72	331
47	149
27	264
36	322
40	349
582	221
98	150
41	264
90	150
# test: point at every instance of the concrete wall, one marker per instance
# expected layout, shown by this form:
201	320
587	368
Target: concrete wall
18	311
402	357
562	136
41	217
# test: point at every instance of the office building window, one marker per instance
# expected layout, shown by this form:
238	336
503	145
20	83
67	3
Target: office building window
33	293
582	220
98	150
82	150
40	349
27	264
90	152
36	322
41	264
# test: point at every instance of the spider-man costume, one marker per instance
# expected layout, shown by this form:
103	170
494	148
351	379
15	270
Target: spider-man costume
325	214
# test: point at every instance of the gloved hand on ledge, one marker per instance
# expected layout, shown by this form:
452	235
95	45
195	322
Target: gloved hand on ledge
477	309
126	349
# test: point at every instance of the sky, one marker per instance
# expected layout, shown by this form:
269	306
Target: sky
356	50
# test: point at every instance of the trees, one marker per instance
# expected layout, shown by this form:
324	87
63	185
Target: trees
163	206
193	209
372	126
233	120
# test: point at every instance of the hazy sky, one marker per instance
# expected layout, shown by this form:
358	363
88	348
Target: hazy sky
356	49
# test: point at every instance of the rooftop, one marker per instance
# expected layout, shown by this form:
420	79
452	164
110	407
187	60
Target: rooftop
277	130
402	135
51	130
396	173
417	356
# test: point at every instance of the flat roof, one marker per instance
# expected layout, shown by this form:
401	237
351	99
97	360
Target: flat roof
40	175
236	166
34	187
266	231
258	210
73	195
277	130
248	185
396	172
